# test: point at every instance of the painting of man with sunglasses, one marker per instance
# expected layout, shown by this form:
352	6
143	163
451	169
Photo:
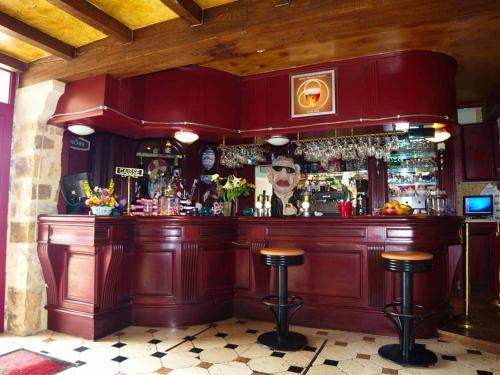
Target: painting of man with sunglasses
284	177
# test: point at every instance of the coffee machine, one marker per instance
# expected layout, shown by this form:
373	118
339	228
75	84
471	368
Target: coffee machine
362	197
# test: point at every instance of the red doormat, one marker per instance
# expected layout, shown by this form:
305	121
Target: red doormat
22	361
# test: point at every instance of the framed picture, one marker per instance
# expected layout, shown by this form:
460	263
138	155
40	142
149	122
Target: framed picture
313	94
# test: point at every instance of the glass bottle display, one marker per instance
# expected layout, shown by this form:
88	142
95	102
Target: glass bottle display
412	173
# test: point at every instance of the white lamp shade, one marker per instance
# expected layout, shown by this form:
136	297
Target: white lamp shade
80	129
278	140
439	136
186	136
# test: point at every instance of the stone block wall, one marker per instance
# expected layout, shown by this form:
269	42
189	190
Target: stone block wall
34	187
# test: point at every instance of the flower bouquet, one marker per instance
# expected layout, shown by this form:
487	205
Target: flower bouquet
100	200
231	188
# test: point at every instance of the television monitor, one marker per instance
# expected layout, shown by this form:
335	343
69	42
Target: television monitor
74	192
478	205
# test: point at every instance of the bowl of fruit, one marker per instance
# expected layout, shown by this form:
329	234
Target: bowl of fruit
396	208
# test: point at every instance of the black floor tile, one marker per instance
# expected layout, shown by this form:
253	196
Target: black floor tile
309	349
189	338
119	359
252	331
278	354
482	372
79	363
221	334
449	357
81	349
118	345
196	350
231	346
471	351
154	341
296	369
158	355
331	362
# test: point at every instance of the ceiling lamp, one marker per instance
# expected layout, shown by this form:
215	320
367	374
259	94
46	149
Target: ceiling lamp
278	140
186	136
81	129
439	136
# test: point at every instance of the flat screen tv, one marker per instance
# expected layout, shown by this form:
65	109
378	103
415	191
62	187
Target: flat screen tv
478	205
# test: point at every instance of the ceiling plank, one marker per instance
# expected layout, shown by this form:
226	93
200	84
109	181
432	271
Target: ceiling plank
186	9
280	3
20	30
93	16
232	35
11	64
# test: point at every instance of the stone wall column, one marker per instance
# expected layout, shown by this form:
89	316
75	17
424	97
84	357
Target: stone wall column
35	173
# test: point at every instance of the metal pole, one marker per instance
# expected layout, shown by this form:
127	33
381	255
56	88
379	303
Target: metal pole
282	300
406	309
128	196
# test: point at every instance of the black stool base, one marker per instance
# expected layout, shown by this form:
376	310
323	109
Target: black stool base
292	341
418	357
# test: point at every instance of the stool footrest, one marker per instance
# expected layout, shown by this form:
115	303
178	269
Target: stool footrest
292	304
426	311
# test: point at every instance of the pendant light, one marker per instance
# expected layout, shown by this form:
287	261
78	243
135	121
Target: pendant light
278	140
81	129
186	136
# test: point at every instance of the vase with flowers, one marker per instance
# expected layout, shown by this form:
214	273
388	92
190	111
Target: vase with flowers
231	188
101	200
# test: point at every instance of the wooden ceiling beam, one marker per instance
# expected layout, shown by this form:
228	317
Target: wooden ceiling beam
11	64
93	16
232	35
189	10
20	30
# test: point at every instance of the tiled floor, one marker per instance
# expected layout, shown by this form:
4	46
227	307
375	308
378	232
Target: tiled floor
229	347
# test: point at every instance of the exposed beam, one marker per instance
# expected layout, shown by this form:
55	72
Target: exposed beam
20	30
11	64
93	16
186	9
233	33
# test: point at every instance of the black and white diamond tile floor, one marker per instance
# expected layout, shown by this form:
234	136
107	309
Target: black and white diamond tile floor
230	347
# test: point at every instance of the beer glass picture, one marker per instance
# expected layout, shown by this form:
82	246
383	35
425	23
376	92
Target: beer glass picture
313	94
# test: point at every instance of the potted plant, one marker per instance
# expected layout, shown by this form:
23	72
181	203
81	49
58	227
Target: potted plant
100	200
231	188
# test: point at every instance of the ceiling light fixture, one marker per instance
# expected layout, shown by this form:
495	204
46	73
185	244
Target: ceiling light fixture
81	129
186	136
439	136
278	140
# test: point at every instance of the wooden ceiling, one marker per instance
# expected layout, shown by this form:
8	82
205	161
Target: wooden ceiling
74	39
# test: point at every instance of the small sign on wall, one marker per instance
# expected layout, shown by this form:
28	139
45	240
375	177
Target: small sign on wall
313	94
79	144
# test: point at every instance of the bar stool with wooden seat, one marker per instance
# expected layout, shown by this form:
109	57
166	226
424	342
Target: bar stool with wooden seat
407	352
282	306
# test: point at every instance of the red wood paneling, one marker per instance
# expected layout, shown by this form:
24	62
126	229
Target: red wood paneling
479	151
153	274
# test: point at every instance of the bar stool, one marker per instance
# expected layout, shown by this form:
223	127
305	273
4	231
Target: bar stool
282	306
407	352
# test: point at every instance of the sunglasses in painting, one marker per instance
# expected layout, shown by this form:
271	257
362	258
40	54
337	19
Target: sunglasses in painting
279	168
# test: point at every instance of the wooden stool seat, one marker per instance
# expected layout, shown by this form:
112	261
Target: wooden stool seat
407	255
282	251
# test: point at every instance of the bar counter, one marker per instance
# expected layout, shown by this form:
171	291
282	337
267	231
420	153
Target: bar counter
105	273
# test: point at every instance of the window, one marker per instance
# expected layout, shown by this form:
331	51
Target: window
5	79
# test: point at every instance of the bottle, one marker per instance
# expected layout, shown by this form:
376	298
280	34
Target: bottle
163	203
